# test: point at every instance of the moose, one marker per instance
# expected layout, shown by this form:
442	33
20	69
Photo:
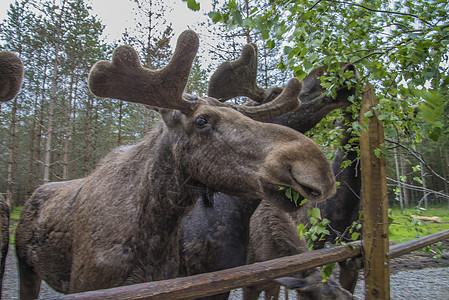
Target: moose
120	224
215	234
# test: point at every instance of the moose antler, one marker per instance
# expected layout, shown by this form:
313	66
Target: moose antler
237	78
11	75
287	101
124	78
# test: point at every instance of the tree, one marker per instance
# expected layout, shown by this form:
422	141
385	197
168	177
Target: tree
19	17
399	46
58	42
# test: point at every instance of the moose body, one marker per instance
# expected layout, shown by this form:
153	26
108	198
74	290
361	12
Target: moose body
120	224
215	234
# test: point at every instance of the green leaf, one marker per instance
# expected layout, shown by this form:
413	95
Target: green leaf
215	16
237	17
368	114
315	213
302	231
327	271
355	236
193	5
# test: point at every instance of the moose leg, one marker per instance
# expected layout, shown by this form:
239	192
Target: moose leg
30	282
348	277
251	293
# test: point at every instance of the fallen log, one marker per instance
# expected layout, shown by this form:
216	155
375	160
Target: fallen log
427	219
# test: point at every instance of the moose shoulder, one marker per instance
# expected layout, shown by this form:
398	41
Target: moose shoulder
119	225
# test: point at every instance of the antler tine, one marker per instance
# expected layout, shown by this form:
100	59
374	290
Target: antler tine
124	78
11	75
287	101
237	78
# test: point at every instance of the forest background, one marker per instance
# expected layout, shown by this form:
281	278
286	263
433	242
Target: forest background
56	130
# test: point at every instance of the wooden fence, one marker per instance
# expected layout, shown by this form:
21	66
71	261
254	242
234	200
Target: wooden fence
374	247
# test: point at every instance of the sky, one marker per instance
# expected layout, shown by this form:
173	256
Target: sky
117	15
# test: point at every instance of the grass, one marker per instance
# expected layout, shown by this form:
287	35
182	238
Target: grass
13	221
404	228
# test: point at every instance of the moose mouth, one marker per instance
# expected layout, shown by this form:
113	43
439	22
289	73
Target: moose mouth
291	198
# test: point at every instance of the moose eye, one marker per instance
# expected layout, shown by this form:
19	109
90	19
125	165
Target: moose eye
201	121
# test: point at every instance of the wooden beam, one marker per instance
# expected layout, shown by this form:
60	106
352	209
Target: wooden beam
225	280
374	202
217	282
416	244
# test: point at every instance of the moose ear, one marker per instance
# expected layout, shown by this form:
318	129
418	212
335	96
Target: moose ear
11	75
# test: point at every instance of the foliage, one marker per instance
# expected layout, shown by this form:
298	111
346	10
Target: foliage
318	227
399	46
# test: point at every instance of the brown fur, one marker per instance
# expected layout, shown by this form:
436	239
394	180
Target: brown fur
11	74
273	235
119	225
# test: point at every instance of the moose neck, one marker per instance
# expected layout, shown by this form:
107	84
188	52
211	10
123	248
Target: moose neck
160	210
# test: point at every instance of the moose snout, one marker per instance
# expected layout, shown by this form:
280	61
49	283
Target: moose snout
302	166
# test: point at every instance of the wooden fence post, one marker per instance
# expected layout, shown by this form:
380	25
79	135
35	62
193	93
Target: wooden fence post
374	202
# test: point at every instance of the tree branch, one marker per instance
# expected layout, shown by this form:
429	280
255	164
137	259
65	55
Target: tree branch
418	157
382	11
417	188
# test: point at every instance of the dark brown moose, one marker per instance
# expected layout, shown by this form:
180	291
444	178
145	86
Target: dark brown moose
119	225
215	234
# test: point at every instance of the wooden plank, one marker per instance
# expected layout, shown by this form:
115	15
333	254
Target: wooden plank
198	286
225	280
416	244
374	203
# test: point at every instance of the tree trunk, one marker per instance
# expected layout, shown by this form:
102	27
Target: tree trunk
443	163
120	119
47	159
88	138
32	175
424	185
65	159
11	170
403	165
398	178
48	148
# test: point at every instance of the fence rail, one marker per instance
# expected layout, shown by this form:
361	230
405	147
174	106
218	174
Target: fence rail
221	281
